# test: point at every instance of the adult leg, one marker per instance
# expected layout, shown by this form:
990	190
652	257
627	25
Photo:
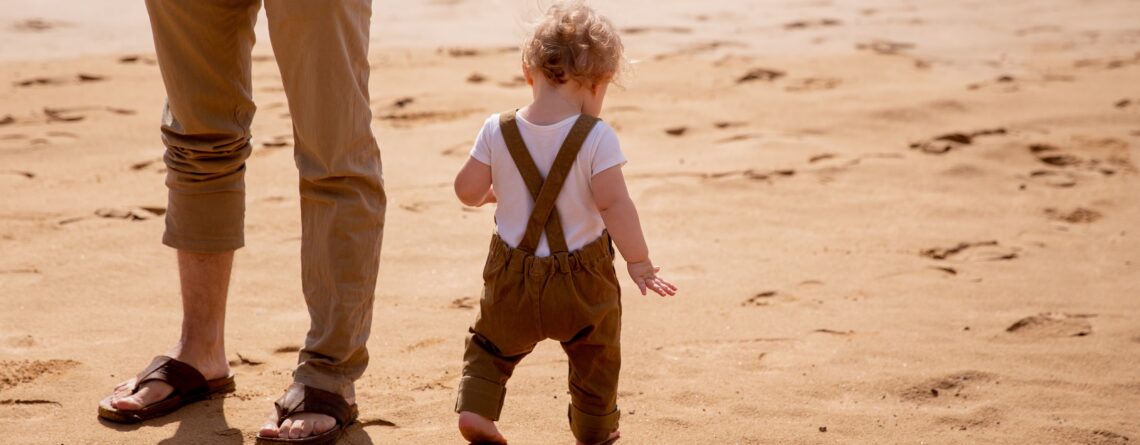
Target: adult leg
203	50
322	51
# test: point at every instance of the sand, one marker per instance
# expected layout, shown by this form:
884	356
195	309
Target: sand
891	222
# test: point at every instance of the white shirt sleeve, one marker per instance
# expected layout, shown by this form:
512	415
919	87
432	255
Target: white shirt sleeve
608	154
482	149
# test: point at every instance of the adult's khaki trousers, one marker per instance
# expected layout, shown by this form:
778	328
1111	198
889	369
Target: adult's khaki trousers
321	47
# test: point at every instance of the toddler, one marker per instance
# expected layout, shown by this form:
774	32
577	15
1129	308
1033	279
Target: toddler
554	171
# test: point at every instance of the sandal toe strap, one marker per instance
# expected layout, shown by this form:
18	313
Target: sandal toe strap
304	399
185	380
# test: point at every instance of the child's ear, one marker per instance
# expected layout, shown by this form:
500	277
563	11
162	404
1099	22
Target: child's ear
526	74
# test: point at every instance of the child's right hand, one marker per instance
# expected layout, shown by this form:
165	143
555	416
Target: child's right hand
645	275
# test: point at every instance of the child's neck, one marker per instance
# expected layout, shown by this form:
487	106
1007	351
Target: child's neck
552	105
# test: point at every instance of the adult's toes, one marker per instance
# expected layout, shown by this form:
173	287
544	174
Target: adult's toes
269	429
301	429
131	402
284	429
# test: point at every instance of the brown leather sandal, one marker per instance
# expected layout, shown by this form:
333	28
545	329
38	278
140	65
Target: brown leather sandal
304	399
189	387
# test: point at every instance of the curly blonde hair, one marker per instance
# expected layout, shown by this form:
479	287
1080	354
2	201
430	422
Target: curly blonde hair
573	42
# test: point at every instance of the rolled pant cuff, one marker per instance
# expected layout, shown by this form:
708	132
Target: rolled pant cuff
480	396
308	376
201	245
588	428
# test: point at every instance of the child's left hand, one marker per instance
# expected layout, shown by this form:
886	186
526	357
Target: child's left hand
645	275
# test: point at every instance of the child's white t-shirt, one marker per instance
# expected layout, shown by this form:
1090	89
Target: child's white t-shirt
581	221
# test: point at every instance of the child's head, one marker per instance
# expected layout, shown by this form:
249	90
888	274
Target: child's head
573	43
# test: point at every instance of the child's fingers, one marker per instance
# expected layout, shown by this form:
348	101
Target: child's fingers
640	284
663	288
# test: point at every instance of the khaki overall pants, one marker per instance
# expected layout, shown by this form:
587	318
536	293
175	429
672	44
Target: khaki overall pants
572	297
321	47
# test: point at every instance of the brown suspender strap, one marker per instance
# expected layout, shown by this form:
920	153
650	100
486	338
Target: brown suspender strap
545	192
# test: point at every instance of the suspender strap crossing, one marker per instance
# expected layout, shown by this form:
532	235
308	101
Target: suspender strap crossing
544	191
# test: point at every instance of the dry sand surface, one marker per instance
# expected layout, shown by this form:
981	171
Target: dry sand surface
891	221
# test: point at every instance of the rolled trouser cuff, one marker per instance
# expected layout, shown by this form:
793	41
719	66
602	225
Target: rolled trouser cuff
480	396
207	223
588	428
324	379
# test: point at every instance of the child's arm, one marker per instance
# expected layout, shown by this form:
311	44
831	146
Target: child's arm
620	216
473	184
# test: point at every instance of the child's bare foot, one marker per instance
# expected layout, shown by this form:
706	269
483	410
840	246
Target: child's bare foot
613	436
479	429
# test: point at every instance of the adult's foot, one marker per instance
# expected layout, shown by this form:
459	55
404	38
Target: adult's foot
479	429
212	365
299	425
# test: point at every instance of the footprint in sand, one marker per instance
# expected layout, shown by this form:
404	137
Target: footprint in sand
459	149
472	52
1079	215
412	119
78	78
767	298
246	359
719	125
700	48
1004	83
814	23
885	47
1052	325
1109	63
812	84
464	303
61	115
422	344
972	251
416	207
26	409
155	165
403	102
964	384
749	174
36	25
274	144
632	30
14	373
288	349
1052	178
131	214
1113	156
1090	436
21	173
945	143
760	74
137	59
